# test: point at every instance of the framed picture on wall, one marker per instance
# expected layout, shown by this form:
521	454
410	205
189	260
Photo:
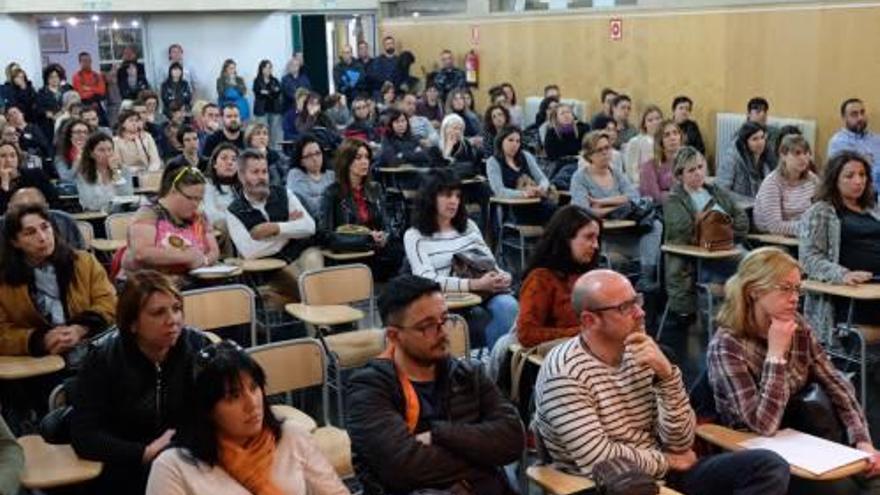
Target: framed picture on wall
53	39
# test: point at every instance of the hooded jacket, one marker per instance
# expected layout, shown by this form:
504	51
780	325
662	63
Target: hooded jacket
481	432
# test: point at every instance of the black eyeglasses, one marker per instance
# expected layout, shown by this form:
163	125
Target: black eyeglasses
432	328
625	307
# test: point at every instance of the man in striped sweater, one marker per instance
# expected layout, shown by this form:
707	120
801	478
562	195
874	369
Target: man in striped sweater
610	392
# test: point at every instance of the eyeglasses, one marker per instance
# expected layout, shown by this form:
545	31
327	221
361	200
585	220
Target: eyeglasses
187	171
789	288
430	328
624	307
601	149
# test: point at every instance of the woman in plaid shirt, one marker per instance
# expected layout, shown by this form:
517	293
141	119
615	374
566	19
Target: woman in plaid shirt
764	352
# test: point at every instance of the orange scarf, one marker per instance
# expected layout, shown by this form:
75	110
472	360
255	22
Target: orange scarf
411	406
251	465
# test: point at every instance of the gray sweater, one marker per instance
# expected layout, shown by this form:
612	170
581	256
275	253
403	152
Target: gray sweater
308	189
496	181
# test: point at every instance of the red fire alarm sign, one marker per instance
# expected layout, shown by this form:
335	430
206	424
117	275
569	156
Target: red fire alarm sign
615	29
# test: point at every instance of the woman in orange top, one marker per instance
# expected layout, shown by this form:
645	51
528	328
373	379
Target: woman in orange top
568	249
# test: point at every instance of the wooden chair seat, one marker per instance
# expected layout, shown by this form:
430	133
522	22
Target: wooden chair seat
47	465
355	349
335	444
556	482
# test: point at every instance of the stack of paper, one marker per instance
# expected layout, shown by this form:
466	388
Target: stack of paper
807	452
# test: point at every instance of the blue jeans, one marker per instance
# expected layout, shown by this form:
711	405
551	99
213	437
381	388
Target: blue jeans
747	472
503	309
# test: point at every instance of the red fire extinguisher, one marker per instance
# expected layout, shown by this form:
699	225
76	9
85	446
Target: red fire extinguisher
472	68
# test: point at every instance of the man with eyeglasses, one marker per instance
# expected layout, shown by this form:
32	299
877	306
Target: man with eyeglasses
611	393
420	419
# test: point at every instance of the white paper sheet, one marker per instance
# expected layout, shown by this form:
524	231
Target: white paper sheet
213	270
807	452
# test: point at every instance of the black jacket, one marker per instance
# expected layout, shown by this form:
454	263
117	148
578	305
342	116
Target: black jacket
175	91
127	91
123	401
481	433
404	150
267	96
567	145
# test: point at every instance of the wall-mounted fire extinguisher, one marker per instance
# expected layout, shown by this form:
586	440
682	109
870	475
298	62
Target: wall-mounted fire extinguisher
472	68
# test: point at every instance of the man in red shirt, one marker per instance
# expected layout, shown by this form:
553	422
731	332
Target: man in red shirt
90	85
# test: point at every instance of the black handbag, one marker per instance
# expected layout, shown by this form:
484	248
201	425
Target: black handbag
811	411
620	476
350	239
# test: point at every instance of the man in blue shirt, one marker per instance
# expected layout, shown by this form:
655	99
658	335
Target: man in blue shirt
855	135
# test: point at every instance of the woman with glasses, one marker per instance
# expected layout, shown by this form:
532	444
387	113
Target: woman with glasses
172	235
308	178
70	143
231	443
99	177
764	354
136	384
607	193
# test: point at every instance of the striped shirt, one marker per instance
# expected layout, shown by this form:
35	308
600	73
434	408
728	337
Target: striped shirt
431	256
779	205
588	411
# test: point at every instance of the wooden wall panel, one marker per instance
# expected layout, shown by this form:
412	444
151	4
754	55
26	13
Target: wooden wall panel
805	60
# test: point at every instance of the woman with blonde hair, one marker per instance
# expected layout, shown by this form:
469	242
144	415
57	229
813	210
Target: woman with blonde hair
564	133
787	192
640	149
257	136
764	354
655	175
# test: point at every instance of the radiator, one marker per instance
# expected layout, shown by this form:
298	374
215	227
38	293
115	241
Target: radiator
727	124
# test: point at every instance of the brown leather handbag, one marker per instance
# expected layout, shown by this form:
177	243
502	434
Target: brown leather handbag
713	229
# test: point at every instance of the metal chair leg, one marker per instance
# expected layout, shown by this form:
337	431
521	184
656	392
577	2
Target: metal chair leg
662	321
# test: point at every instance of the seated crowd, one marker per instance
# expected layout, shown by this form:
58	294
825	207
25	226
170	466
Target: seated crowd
426	191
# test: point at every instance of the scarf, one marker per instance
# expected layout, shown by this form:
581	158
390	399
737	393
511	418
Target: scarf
411	405
251	465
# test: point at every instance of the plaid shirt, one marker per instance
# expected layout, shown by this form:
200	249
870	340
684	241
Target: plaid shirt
752	393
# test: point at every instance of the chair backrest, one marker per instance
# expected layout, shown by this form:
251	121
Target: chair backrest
116	225
87	231
291	364
211	308
150	180
341	284
459	338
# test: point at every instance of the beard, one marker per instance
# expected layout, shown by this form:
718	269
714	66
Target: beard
389	51
858	128
258	191
234	127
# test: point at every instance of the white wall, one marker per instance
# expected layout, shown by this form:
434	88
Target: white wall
21	45
208	39
81	38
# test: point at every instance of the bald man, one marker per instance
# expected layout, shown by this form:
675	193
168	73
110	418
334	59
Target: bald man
610	393
64	223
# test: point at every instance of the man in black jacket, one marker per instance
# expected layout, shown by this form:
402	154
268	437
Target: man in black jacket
420	419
